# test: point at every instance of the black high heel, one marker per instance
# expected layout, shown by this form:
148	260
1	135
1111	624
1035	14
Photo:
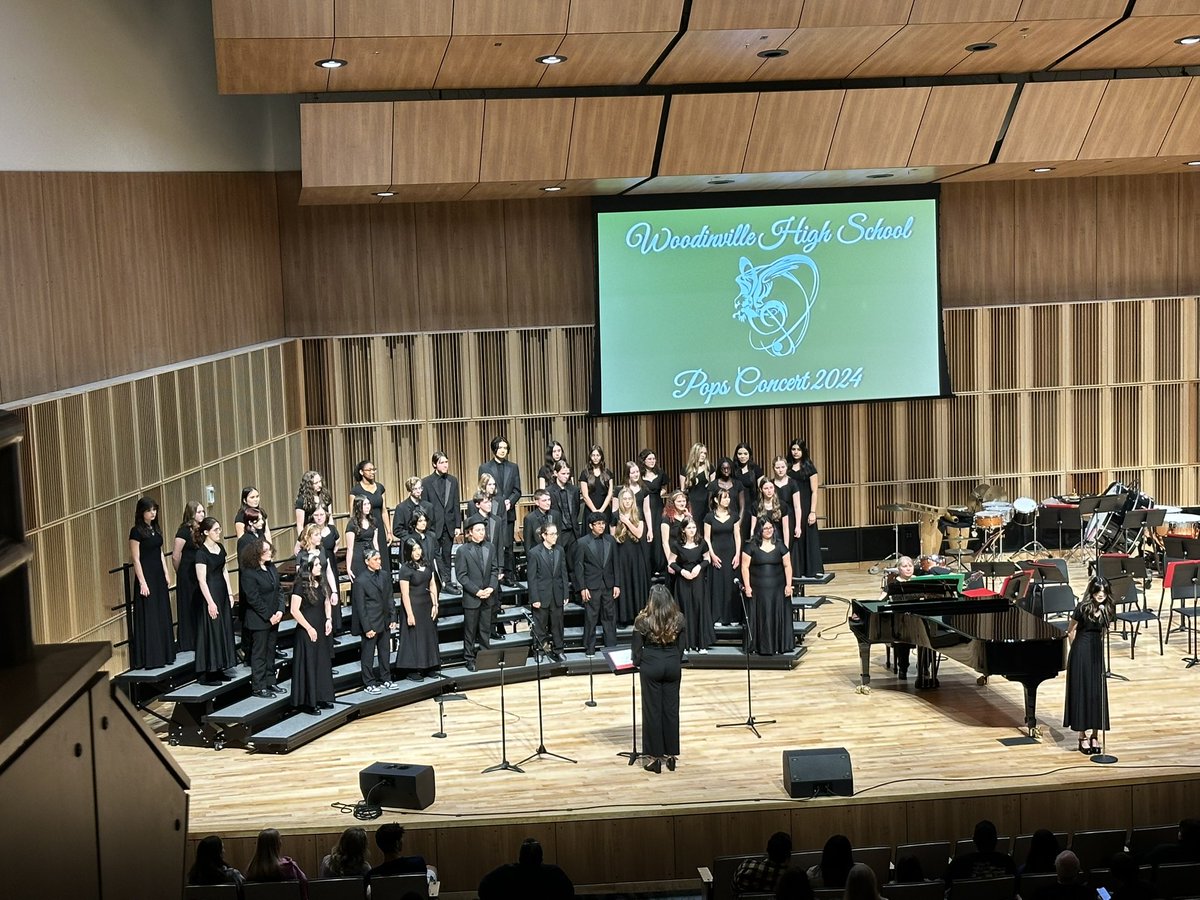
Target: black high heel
670	764
655	767
1083	749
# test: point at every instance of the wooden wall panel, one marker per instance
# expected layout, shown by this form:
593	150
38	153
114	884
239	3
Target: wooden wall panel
975	215
536	231
461	253
394	269
1055	248
24	284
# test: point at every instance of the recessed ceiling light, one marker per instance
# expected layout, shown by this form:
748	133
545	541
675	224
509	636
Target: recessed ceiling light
1042	170
385	193
1192	162
772	54
330	63
551	60
980	47
1189	40
881	175
720	181
552	189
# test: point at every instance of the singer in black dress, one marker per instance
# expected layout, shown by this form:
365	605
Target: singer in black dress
362	534
187	604
803	471
554	453
658	652
653	484
767	583
215	650
724	539
151	639
328	536
694	479
1087	691
633	573
691	586
312	665
418	622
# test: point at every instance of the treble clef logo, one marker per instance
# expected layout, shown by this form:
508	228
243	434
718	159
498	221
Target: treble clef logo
769	318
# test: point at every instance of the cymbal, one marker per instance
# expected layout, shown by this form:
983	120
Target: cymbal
892	507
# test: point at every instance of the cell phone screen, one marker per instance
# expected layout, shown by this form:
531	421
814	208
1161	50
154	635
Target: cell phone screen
1103	894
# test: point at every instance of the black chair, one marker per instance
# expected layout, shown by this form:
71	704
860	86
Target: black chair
984	888
337	889
1021	846
1145	838
1178	880
934	856
1095	848
271	890
1125	574
967	845
920	890
1034	882
395	887
210	892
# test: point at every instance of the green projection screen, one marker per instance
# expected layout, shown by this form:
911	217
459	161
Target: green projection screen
766	305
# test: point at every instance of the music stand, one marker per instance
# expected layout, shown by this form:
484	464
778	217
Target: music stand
997	568
1065	518
441	700
1092	507
747	642
502	659
540	642
1041	574
620	662
1139	520
1187	576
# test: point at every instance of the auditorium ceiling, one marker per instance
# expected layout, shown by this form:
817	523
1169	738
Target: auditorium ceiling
447	99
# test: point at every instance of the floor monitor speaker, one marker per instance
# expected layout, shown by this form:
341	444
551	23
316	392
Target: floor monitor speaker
397	785
811	773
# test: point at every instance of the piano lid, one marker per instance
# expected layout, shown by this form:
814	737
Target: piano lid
1011	625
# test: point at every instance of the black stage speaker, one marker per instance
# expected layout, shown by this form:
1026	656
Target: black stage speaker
825	770
397	786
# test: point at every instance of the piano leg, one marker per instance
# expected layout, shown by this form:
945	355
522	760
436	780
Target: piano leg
864	656
1031	709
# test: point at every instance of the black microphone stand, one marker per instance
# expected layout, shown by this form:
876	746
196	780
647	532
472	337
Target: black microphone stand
539	649
750	722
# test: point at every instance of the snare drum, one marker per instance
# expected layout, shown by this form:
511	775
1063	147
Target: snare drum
1180	525
988	519
1024	511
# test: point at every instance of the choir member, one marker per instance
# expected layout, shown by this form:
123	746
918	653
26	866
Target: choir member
440	491
724	538
549	585
658	654
362	534
541	513
312	663
597	581
151	638
554	454
804	472
596	486
767	585
215	650
402	516
478	573
262	611
656	489
691	585
365	486
419	652
252	500
1087	691
374	618
309	496
633	574
694	479
187	605
508	494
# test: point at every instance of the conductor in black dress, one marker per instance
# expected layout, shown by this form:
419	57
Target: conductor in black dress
440	491
374	619
596	578
262	611
658	653
478	572
508	493
548	585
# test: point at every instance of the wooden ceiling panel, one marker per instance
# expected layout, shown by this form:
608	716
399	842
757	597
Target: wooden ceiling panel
1178	54
346	145
926	49
271	65
429	193
435	141
387	18
387	63
1183	137
1032	10
792	131
512	190
526	140
1031	46
820	53
877	127
961	124
1167	8
927	12
339	196
1136	43
863	177
699	184
487	17
1133	117
721	15
272	19
1051	121
593	187
1072	168
839	13
606	58
495	60
707	133
612	16
718	56
613	137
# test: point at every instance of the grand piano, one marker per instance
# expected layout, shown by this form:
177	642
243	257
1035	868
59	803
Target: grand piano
983	631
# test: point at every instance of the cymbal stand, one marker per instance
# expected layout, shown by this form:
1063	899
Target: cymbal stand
891	557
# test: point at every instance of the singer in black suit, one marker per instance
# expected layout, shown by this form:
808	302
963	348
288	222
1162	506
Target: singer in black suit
440	491
508	493
478	572
541	514
262	611
549	585
596	578
402	515
371	598
565	500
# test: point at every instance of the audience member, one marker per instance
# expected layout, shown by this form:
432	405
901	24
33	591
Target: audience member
837	858
269	865
762	875
1128	876
1186	850
210	866
349	857
908	870
389	838
1043	851
1070	883
527	878
986	861
861	884
793	885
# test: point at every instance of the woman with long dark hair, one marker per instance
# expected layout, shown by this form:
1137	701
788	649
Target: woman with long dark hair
554	453
210	866
349	857
312	665
807	546
269	864
596	485
767	585
418	625
658	652
724	540
629	528
691	585
837	859
251	500
364	486
262	611
187	607
655	488
151	638
418	530
724	479
215	650
1087	691
309	496
326	548
770	509
362	534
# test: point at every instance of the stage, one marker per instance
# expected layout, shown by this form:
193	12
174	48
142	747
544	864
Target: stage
926	764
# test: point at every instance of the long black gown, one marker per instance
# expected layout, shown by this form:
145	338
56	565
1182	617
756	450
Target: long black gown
726	604
377	513
186	590
418	643
693	595
312	665
1087	690
328	552
749	482
806	560
697	493
660	673
214	637
653	487
364	540
633	576
152	641
771	612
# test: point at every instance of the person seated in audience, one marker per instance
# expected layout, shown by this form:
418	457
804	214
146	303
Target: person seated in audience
269	865
1186	850
1043	851
1070	883
908	871
837	858
210	866
389	838
793	885
861	884
349	857
1130	885
986	861
527	878
762	874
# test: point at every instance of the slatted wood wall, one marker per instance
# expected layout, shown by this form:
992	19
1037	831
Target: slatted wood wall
230	421
1049	398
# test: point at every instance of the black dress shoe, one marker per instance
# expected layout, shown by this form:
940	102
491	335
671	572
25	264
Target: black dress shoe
470	665
221	676
324	704
655	767
310	710
210	681
279	654
670	764
279	689
265	694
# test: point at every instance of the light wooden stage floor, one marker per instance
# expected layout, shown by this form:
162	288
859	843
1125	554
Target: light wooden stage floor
903	743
